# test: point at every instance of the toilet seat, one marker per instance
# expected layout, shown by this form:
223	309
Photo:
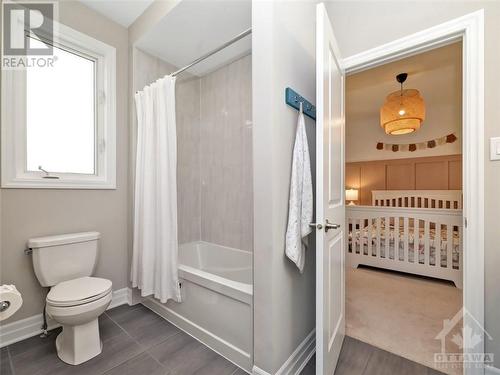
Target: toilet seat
78	291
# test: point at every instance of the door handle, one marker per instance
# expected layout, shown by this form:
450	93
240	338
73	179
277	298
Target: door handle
329	225
316	225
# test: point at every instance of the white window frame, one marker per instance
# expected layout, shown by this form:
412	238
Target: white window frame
13	132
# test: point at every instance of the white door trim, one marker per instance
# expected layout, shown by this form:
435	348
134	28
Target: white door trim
469	29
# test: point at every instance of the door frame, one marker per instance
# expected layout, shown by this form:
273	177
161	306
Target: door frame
470	30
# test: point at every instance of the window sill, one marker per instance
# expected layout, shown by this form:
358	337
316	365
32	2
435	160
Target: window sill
61	183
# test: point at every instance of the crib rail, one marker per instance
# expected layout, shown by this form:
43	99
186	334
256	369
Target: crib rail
416	240
444	199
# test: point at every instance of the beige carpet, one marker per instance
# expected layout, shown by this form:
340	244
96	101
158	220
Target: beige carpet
401	313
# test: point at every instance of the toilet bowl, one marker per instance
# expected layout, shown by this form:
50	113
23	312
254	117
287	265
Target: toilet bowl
76	304
65	263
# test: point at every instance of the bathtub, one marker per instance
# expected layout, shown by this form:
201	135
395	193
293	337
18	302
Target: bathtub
217	296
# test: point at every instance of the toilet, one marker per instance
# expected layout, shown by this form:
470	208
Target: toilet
65	263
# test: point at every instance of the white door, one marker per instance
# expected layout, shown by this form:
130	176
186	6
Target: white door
330	207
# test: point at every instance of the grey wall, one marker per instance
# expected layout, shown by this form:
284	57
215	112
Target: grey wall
361	25
27	213
226	156
147	69
188	159
214	150
283	55
437	74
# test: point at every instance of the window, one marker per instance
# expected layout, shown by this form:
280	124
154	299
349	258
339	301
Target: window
59	122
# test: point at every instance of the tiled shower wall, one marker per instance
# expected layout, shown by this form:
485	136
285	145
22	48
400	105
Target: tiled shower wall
214	150
187	101
147	69
226	156
214	140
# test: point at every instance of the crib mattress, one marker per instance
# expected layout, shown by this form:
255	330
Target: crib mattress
359	239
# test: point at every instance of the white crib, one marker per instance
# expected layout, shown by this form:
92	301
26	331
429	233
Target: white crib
423	230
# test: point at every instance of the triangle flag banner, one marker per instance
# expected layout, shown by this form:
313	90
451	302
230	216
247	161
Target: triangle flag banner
411	147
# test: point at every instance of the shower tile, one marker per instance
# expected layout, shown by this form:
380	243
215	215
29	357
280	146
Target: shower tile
214	151
226	147
149	69
188	160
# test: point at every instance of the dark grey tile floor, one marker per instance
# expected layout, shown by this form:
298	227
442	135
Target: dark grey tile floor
359	358
135	340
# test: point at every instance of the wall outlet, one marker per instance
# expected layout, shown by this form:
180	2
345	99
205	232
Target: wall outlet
495	148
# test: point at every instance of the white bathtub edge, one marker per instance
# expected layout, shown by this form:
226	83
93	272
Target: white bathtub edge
224	247
234	289
232	353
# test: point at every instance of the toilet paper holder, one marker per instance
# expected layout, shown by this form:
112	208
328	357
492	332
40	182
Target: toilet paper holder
4	305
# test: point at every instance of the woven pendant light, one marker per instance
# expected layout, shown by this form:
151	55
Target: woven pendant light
403	111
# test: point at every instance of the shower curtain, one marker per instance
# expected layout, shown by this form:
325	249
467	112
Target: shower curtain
155	247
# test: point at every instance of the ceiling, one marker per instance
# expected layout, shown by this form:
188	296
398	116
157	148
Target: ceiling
121	11
437	74
366	91
195	27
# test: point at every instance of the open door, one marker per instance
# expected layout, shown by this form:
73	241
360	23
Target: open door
330	207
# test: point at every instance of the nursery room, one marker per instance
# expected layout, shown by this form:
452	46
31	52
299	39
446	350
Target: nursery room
404	202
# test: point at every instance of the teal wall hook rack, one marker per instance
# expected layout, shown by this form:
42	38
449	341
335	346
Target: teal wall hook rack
293	99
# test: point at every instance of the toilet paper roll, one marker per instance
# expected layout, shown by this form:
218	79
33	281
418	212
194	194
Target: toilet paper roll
10	301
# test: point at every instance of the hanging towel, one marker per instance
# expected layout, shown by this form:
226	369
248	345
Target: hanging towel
300	210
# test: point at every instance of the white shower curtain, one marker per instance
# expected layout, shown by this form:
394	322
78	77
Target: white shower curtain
154	262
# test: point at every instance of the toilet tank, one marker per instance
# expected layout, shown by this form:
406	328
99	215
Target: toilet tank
64	257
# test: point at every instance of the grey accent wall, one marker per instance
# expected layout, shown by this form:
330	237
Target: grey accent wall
28	213
147	69
362	25
188	160
226	156
214	150
283	55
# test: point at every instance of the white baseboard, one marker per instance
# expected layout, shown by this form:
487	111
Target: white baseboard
490	370
29	327
297	360
120	297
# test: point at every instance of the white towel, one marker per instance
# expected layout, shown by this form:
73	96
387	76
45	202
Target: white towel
300	210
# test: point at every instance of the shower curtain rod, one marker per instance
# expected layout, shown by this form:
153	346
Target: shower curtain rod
213	52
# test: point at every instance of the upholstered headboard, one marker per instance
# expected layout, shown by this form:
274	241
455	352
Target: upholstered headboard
447	199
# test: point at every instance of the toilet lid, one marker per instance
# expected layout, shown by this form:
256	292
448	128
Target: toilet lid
78	291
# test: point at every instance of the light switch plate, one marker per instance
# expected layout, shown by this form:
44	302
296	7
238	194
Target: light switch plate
495	148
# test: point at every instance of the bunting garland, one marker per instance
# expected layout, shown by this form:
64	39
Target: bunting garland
411	147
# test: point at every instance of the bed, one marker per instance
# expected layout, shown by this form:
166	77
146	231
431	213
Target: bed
418	232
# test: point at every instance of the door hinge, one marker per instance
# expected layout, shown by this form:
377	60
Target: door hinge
465	222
